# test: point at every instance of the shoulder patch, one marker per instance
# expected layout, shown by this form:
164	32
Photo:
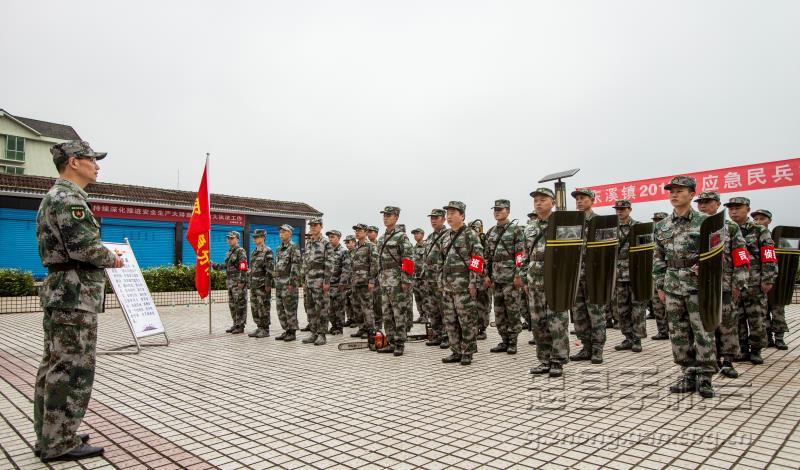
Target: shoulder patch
78	212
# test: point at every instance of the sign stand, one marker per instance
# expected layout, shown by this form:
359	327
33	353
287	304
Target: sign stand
135	300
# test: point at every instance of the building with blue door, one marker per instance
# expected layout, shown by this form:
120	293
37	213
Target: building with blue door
153	220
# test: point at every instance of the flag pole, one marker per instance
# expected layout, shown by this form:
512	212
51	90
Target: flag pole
210	290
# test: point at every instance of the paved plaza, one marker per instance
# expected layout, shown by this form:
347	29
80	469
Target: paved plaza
223	401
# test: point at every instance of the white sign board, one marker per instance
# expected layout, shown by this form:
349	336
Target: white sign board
132	293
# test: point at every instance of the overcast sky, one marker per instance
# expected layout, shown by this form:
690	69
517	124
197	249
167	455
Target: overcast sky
350	106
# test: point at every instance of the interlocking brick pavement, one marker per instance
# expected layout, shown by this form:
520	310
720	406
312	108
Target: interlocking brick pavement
223	401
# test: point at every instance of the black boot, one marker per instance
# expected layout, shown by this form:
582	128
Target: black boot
310	339
755	357
597	354
779	343
229	330
452	359
435	341
501	347
704	387
687	383
542	368
466	359
399	348
37	451
281	336
625	345
445	343
389	348
512	344
556	370
290	336
306	328
636	345
481	335
83	451
320	340
727	370
660	336
255	333
583	355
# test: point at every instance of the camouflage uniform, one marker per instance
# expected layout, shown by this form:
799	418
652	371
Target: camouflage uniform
261	267
419	288
483	300
340	285
590	320
377	308
408	304
235	266
631	314
504	248
71	296
318	261
365	272
656	306
288	262
457	276
431	269
350	314
393	248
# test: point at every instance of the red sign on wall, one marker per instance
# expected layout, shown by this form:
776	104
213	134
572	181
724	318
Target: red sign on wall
725	180
121	211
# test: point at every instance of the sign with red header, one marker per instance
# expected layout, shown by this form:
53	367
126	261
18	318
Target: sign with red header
123	211
725	180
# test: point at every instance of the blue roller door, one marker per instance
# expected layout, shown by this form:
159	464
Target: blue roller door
219	244
152	242
273	239
18	246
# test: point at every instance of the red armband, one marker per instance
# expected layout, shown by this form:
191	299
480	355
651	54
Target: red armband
476	264
518	258
740	257
768	254
407	266
243	266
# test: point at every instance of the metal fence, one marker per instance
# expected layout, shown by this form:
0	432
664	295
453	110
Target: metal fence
31	303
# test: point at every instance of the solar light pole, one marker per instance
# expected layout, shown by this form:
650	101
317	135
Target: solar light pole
560	186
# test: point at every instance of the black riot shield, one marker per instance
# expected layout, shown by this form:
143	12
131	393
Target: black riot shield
562	258
601	258
640	260
713	237
787	249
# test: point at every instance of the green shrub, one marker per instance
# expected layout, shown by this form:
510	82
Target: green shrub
178	279
16	283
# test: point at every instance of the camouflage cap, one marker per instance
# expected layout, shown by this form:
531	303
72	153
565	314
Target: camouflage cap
543	192
391	210
74	148
233	235
401	228
437	213
315	221
622	204
738	201
457	205
502	204
349	238
583	192
287	228
660	216
707	196
360	227
333	232
682	180
259	232
418	230
373	228
763	212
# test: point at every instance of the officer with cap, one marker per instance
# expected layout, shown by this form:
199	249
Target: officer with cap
630	313
318	263
372	237
656	307
776	319
364	258
483	300
350	320
340	282
431	269
288	262
419	290
235	267
262	265
71	295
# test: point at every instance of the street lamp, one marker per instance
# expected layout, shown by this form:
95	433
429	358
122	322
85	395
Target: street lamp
560	187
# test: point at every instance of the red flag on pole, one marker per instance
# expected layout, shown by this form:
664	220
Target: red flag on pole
198	235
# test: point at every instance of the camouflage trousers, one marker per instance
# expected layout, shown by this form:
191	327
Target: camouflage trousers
408	307
692	345
350	313
237	303
260	306
64	380
317	304
776	320
286	304
461	320
630	313
432	307
507	309
726	333
590	320
362	306
336	299
657	307
394	302
550	329
483	303
377	307
752	312
419	297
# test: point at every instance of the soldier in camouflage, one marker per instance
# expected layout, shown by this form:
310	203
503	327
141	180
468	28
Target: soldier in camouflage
776	318
364	260
408	305
734	278
657	311
504	248
71	296
675	274
590	321
395	276
350	244
288	262
483	300
551	329
752	304
431	269
419	291
340	281
460	276
262	265
372	236
235	267
318	262
631	314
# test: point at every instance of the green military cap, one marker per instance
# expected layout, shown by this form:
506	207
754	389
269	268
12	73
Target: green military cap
583	191
333	232
660	216
418	230
457	205
315	221
233	235
360	227
401	227
437	213
259	232
622	204
502	204
391	210
681	180
738	201
543	192
349	238
74	148
287	228
763	212
707	196
372	228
